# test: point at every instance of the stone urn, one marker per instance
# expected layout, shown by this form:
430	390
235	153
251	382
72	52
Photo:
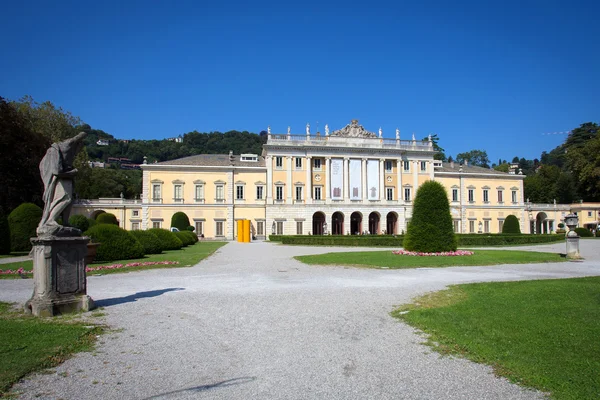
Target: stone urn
92	249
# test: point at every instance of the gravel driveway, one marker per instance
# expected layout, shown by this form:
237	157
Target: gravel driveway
251	322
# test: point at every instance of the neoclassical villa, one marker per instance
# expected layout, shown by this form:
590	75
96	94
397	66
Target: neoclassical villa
349	181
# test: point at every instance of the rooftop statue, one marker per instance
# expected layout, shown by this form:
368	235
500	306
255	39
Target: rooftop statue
58	174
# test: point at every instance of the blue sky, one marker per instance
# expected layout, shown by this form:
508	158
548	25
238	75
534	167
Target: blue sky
483	75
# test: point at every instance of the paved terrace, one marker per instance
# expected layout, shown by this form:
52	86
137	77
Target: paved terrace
251	322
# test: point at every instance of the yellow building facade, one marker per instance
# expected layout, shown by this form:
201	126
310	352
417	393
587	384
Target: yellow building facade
349	181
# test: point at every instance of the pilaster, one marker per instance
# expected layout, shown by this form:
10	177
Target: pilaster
289	180
382	179
269	163
308	197
346	182
327	196
363	168
399	181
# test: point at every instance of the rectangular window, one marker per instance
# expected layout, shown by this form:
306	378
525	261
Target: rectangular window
279	192
317	163
199	228
317	193
500	226
471	195
298	193
135	226
406	194
260	228
298	163
156	192
454	194
278	162
219	228
514	196
156	224
589	213
471	226
178	195
406	166
136	213
456	224
486	226
486	197
220	193
423	166
298	227
199	192
239	192
259	193
279	228
500	196
388	166
389	193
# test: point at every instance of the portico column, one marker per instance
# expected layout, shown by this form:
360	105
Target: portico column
308	194
327	196
399	181
269	161
289	180
381	179
363	165
345	173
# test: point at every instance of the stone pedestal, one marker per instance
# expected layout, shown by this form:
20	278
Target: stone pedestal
573	247
59	276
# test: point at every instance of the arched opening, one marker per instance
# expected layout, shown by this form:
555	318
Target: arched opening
337	223
318	223
390	223
96	213
374	223
541	225
356	223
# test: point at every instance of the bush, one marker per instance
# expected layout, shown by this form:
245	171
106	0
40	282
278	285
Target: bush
430	229
180	221
185	238
168	239
4	234
192	236
115	243
22	222
191	229
511	225
149	241
91	222
583	232
107	218
80	222
505	239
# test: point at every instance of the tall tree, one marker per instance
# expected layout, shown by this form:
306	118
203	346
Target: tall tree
440	152
474	157
584	161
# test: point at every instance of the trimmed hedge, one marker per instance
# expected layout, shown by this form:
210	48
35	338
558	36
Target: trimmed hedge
91	222
149	241
168	239
80	222
115	243
107	218
185	238
23	222
511	225
4	234
192	236
583	232
504	239
180	221
430	229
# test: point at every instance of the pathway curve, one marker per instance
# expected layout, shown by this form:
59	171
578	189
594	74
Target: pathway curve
251	322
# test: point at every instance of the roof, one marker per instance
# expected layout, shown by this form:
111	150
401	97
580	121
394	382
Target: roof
470	169
214	160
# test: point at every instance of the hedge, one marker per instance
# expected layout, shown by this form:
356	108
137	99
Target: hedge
192	236
186	240
180	221
80	222
107	218
115	243
4	234
583	232
511	225
168	239
23	222
149	241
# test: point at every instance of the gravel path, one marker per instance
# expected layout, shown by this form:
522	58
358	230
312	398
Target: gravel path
251	322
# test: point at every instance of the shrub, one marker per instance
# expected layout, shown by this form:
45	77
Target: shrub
430	229
168	239
192	236
107	218
91	222
115	243
80	222
4	234
22	222
180	221
583	232
191	229
185	238
511	225
149	241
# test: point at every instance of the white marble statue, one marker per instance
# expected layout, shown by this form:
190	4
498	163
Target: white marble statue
269	129
326	130
397	134
414	137
307	129
289	130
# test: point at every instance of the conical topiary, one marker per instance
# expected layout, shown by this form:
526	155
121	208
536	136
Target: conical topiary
511	225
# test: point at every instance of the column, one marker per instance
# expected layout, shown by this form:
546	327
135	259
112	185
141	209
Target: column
308	194
363	168
269	162
346	181
289	180
327	195
399	181
431	169
382	179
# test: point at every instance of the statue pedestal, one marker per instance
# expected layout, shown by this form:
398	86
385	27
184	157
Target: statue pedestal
573	247
59	276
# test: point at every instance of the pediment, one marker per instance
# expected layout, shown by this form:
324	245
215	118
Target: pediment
354	130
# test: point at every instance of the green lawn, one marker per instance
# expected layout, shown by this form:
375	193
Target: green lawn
29	344
379	259
542	334
187	256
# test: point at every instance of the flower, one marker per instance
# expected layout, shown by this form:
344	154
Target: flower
134	264
443	253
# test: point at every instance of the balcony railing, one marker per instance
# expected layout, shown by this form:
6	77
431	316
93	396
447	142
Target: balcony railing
343	141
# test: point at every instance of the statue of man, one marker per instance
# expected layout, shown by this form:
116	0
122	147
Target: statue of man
326	130
289	130
380	132
58	173
307	128
269	129
397	134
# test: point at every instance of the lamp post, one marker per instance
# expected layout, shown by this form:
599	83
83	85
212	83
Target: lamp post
572	237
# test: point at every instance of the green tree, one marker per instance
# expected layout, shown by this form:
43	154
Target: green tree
474	157
107	218
430	229
23	222
440	152
584	161
180	221
511	225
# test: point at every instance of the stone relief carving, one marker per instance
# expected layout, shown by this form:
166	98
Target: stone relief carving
355	130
